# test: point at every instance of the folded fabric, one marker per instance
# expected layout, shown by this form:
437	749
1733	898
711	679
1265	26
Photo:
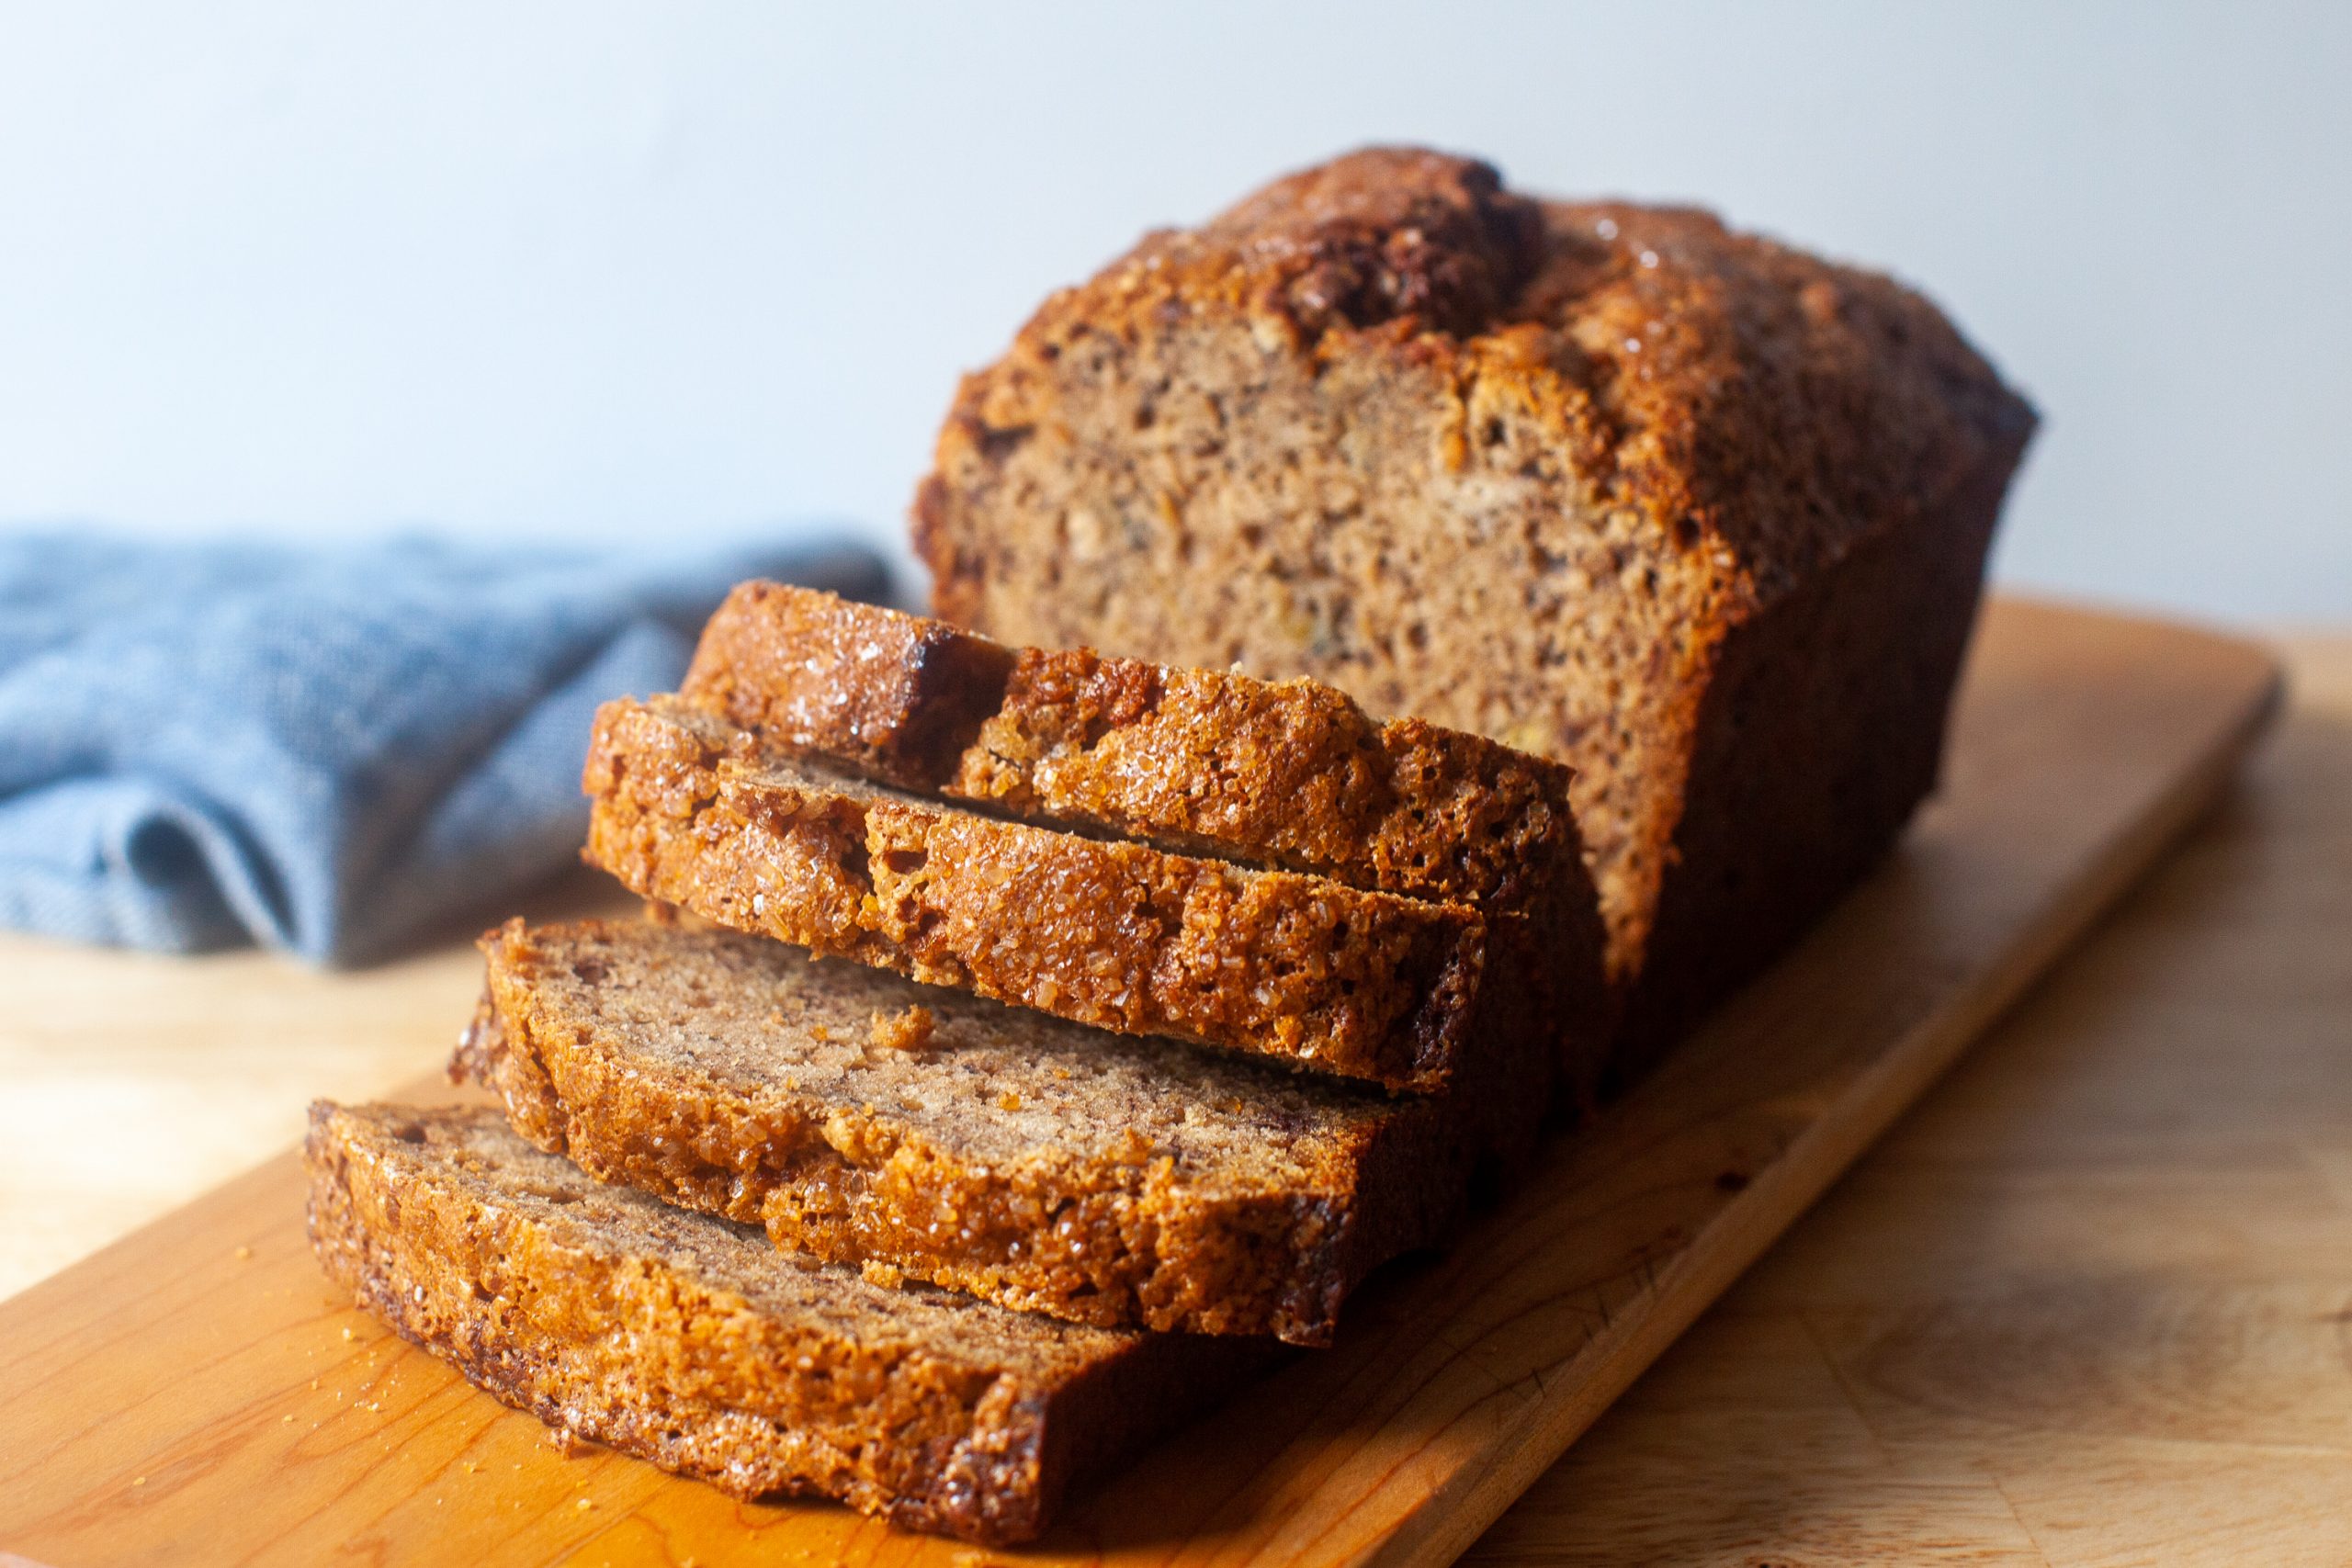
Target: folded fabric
322	751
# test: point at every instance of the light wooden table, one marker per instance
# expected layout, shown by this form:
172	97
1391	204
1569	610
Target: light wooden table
2092	1303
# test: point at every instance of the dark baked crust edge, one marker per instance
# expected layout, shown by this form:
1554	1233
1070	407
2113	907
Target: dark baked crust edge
1824	718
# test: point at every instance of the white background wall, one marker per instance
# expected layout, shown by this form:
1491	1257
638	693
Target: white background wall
583	270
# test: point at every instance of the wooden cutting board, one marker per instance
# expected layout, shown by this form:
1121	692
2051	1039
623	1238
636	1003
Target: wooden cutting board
196	1393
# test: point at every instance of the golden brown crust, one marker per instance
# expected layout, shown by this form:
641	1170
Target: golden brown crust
1765	407
690	1343
1174	1189
896	697
1119	935
1292	775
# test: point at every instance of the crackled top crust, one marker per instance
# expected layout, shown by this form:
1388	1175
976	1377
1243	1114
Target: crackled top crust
1289	773
1764	406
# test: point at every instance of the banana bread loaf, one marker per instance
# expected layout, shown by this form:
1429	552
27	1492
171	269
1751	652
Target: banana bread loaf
870	1120
1119	935
1203	761
693	1343
1697	513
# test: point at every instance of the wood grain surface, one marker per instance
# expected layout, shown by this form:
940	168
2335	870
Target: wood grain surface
195	1394
2091	1302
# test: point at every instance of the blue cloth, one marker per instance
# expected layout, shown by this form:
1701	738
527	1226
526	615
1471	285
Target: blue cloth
321	752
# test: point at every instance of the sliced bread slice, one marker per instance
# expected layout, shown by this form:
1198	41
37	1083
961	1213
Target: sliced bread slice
867	1120
693	1343
1121	935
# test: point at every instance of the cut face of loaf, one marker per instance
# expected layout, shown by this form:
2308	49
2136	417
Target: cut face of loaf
1695	512
693	1343
1119	935
926	1134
